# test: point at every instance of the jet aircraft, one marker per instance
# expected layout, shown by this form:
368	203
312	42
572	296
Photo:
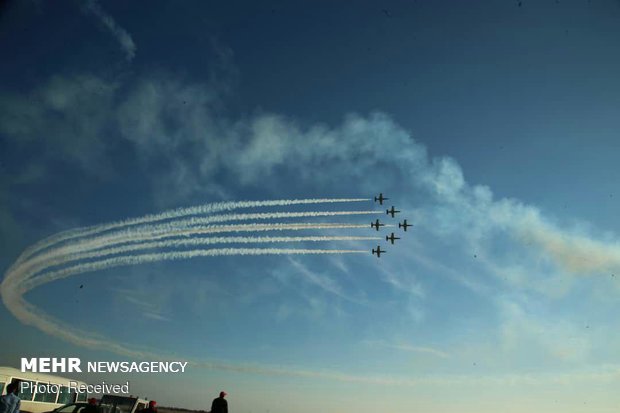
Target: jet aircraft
404	225
392	211
391	238
378	251
380	198
376	224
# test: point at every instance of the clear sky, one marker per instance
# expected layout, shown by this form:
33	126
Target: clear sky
492	125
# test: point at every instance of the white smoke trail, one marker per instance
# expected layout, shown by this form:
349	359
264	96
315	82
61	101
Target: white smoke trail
173	214
114	245
63	254
31	270
173	228
31	283
12	290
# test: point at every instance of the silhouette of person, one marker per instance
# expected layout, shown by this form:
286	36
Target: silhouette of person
10	402
220	405
152	407
91	407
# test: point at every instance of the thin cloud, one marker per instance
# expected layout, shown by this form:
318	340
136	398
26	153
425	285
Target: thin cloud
122	36
155	316
150	308
406	283
575	253
410	348
323	281
525	332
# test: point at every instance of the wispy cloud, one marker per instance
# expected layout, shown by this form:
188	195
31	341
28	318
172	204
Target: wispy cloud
403	281
409	348
156	316
531	335
573	252
201	145
323	281
149	306
66	119
464	220
122	36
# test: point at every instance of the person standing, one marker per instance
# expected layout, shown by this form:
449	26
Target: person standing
10	402
92	406
152	407
220	405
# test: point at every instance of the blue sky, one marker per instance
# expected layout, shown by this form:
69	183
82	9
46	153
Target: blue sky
492	125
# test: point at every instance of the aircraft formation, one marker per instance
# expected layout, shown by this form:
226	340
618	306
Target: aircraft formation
377	224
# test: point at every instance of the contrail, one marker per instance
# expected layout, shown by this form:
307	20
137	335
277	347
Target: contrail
31	270
179	224
57	256
125	243
173	214
156	257
170	228
12	290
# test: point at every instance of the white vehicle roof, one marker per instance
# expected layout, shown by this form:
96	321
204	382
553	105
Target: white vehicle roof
13	372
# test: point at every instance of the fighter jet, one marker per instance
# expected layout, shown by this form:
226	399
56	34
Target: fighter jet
404	225
391	211
391	238
380	198
376	224
378	251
